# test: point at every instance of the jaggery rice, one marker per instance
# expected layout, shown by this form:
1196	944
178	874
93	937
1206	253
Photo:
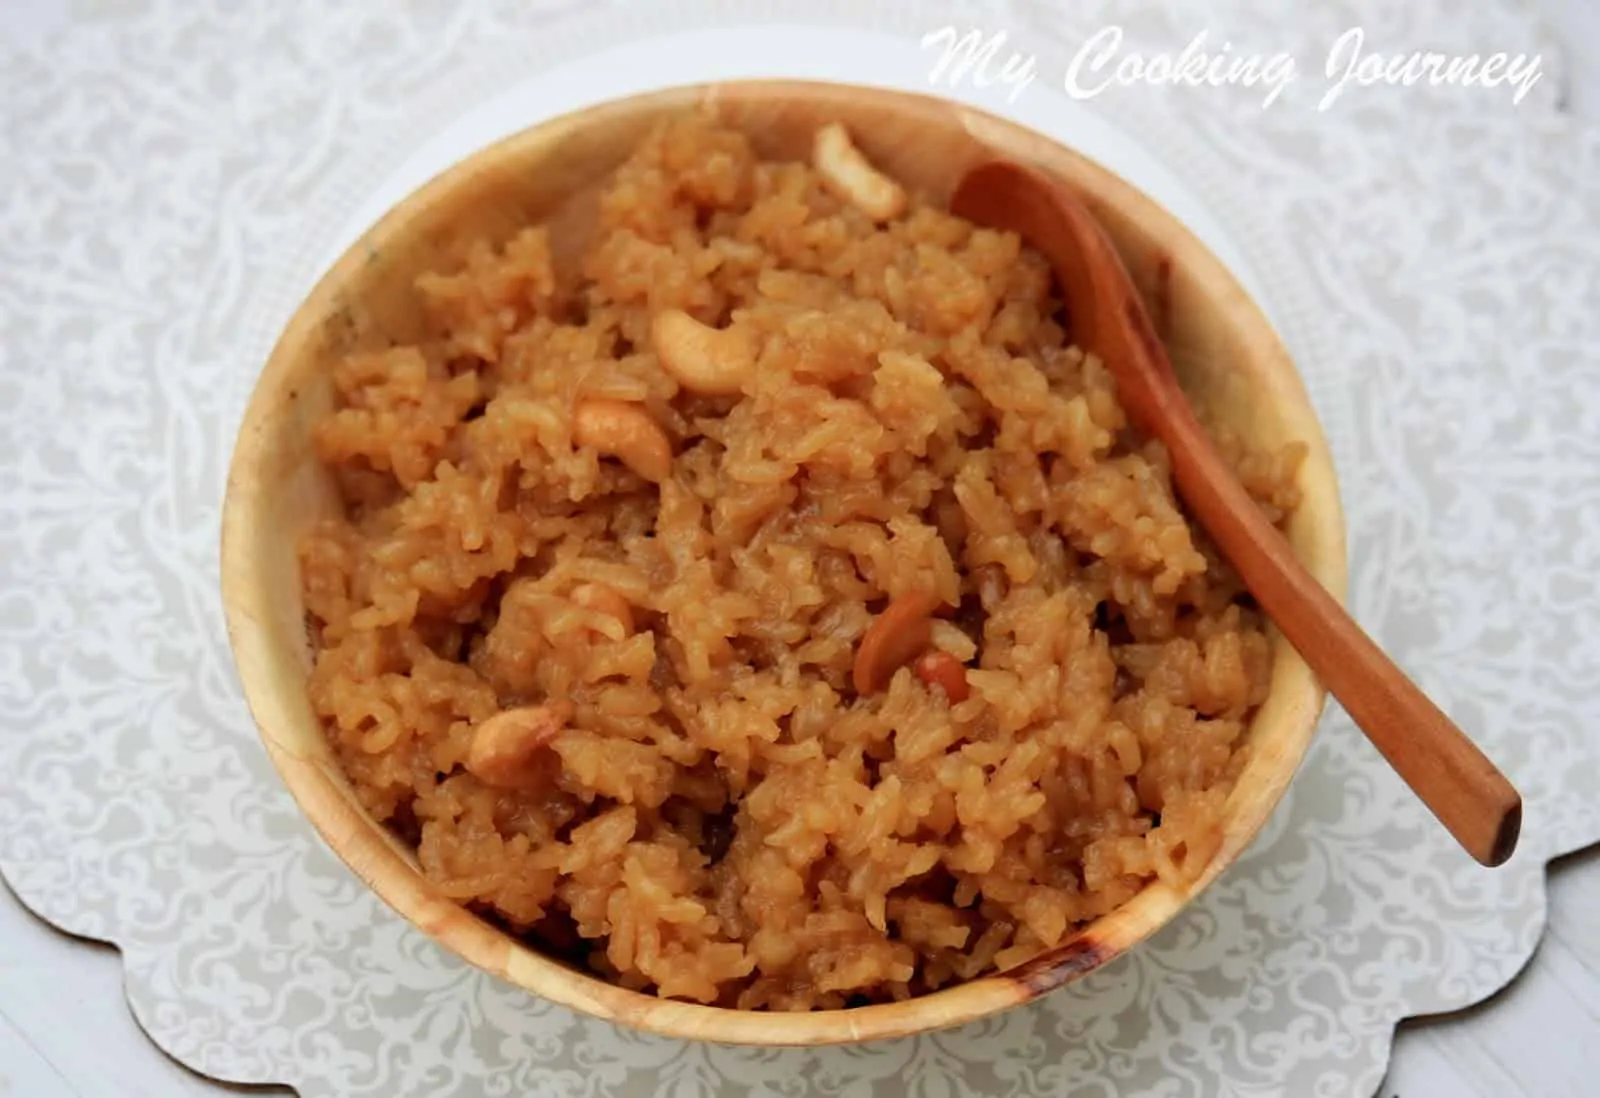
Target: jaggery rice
776	612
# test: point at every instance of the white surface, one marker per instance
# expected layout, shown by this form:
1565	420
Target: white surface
1536	1039
1578	24
64	1029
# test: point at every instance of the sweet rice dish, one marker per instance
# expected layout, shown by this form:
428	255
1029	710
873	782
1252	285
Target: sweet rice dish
772	608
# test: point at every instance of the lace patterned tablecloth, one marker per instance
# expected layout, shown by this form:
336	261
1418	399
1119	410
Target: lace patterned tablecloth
179	175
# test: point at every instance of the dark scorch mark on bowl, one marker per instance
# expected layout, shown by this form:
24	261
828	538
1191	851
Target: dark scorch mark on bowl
1060	966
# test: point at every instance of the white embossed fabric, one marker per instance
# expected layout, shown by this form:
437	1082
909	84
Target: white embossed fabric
175	177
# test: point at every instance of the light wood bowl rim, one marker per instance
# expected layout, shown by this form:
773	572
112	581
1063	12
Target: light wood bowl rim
322	793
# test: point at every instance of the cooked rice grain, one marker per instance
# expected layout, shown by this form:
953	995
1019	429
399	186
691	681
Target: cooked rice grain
722	818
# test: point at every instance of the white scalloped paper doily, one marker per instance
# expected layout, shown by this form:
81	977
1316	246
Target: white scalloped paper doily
184	175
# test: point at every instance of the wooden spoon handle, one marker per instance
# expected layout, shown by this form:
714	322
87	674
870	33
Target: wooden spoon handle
1468	794
1446	770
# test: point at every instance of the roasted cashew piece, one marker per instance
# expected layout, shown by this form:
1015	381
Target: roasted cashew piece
505	750
941	669
712	361
626	432
848	174
896	637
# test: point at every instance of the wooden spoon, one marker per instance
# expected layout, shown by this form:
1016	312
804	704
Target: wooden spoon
1444	768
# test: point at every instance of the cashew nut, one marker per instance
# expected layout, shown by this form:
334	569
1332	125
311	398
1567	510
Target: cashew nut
605	600
941	669
506	749
713	361
626	432
848	174
895	638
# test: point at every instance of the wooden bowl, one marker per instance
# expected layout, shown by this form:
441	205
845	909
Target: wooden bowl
1227	353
